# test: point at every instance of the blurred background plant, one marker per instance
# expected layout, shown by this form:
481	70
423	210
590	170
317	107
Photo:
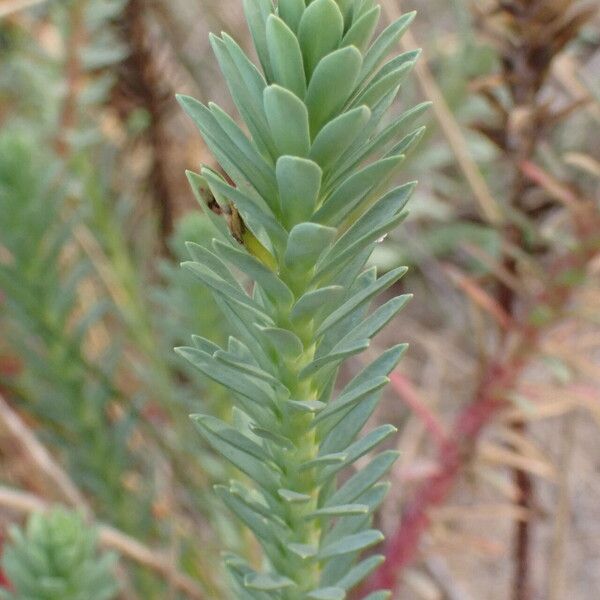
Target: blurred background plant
497	490
56	557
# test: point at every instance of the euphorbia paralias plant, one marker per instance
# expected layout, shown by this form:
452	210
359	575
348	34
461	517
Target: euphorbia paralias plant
307	192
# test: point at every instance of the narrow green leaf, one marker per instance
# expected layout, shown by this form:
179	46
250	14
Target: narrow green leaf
362	447
375	322
408	142
354	190
377	90
246	86
384	43
250	370
331	265
360	571
370	130
291	12
202	255
361	32
304	551
352	275
338	355
331	85
352	543
238	569
305	406
293	497
339	511
256	270
257	504
361	7
323	461
226	376
320	32
411	56
299	183
381	366
288	120
382	139
356	394
373	498
375	217
337	136
273	437
328	593
268	582
238	156
346	429
257	12
286	57
231	436
213	281
254	468
243	322
240	351
257	170
364	296
348	323
347	8
205	345
306	243
364	479
312	303
281	341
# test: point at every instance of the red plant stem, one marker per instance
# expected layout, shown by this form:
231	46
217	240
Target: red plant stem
411	398
403	546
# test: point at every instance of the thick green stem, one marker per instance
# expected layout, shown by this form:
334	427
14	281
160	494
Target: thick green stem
298	428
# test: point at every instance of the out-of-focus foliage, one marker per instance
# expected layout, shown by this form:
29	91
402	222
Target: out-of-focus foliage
88	318
56	558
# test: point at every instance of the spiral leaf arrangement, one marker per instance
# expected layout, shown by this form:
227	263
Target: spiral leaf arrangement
56	558
304	201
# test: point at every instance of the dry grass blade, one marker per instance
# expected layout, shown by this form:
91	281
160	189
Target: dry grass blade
479	296
40	457
584	162
502	456
552	186
483	512
495	267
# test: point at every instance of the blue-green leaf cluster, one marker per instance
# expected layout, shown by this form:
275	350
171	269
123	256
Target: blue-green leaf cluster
307	194
56	558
